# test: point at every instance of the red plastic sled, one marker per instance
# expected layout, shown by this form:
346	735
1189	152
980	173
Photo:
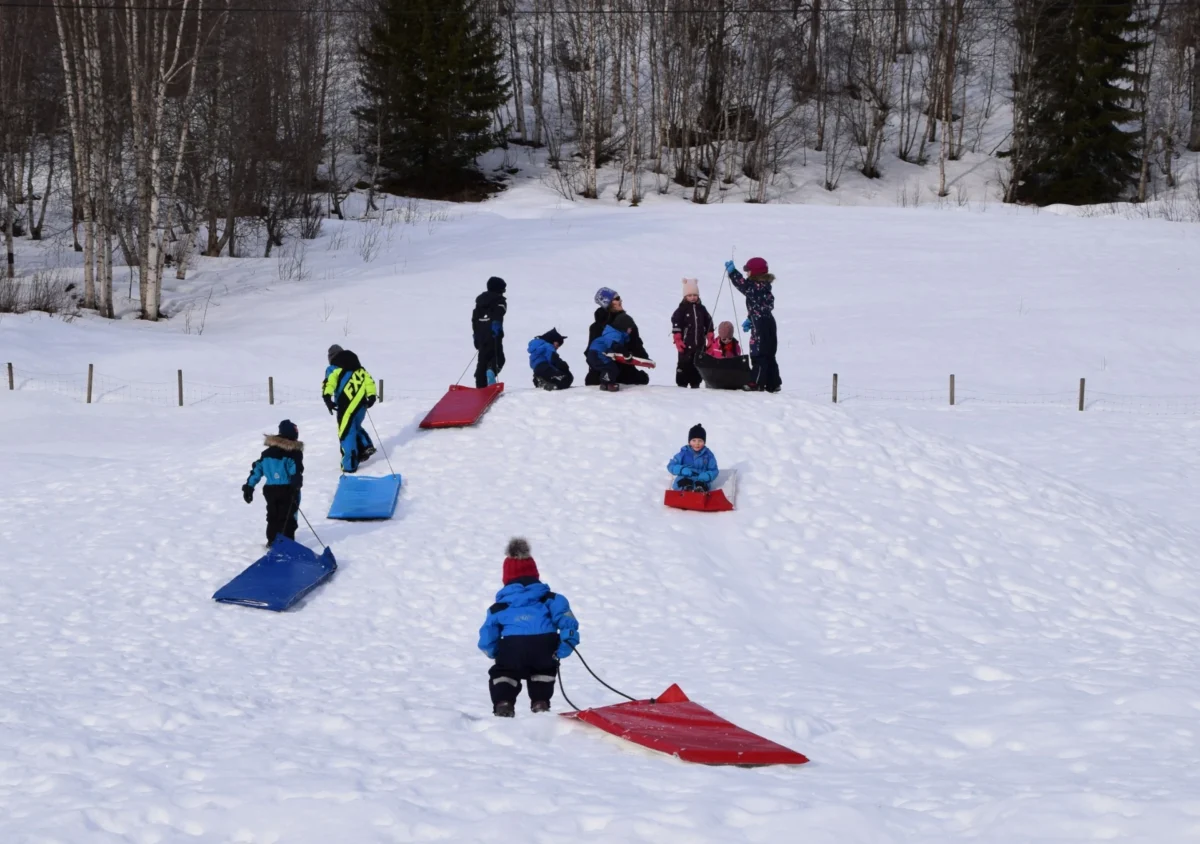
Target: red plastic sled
645	363
674	724
716	500
461	406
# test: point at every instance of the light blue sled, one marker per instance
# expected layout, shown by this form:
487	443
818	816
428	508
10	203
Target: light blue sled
361	497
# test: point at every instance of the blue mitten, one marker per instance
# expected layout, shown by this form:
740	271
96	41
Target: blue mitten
686	472
730	267
565	649
747	324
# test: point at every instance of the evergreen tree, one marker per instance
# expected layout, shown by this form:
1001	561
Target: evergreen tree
431	68
1078	145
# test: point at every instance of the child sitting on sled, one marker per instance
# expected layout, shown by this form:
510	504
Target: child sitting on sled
724	345
527	631
694	467
281	468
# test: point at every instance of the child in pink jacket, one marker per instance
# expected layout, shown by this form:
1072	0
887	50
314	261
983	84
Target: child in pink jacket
724	345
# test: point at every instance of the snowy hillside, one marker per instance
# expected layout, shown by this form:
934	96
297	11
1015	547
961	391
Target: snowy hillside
979	622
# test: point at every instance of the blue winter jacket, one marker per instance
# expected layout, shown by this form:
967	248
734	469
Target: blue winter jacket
281	463
529	610
610	339
541	351
703	465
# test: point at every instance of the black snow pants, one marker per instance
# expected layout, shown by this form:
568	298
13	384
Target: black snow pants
686	374
529	658
283	502
766	368
551	377
491	356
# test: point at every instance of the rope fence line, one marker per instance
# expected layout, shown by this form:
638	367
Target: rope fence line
92	387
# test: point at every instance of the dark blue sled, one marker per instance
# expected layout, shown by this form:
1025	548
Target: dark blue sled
287	573
361	497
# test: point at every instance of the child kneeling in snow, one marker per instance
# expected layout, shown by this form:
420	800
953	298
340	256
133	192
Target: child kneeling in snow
281	468
550	372
527	631
694	467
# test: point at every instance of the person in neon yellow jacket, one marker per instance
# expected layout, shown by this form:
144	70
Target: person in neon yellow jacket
349	391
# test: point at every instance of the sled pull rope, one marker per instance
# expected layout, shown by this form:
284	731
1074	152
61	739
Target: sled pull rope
379	440
597	678
310	527
465	368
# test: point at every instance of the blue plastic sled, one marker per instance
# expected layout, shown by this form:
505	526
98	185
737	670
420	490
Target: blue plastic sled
287	573
365	497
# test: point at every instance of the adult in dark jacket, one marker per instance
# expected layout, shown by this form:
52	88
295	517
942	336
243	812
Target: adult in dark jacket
527	631
692	330
281	469
550	372
349	392
487	326
611	311
760	304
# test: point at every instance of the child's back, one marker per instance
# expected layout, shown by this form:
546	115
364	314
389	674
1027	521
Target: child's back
527	631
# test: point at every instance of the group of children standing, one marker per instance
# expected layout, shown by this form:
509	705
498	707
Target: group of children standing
614	334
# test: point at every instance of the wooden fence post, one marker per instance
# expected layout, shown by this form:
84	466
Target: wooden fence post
89	393
10	378
1081	388
179	375
380	389
835	388
271	389
952	389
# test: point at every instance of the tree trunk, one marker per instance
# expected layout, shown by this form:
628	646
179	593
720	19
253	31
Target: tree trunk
1194	135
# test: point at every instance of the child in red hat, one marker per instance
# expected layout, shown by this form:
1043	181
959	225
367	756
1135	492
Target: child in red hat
527	631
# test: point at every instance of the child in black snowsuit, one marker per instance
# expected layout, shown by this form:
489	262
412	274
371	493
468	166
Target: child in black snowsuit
487	325
756	286
692	330
281	468
527	631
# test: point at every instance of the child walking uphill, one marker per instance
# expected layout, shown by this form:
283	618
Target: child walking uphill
550	372
694	467
692	330
365	447
527	631
281	468
487	326
760	303
349	392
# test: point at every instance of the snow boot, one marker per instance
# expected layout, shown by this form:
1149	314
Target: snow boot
752	388
491	377
539	706
504	709
367	452
611	388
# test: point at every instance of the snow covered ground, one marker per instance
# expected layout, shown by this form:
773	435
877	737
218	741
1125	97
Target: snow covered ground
981	623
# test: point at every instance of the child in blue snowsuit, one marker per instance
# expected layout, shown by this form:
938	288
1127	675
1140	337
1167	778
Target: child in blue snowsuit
694	467
550	372
527	631
281	468
365	447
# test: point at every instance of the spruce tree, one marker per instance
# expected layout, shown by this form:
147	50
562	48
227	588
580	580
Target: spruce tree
1080	147
431	69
